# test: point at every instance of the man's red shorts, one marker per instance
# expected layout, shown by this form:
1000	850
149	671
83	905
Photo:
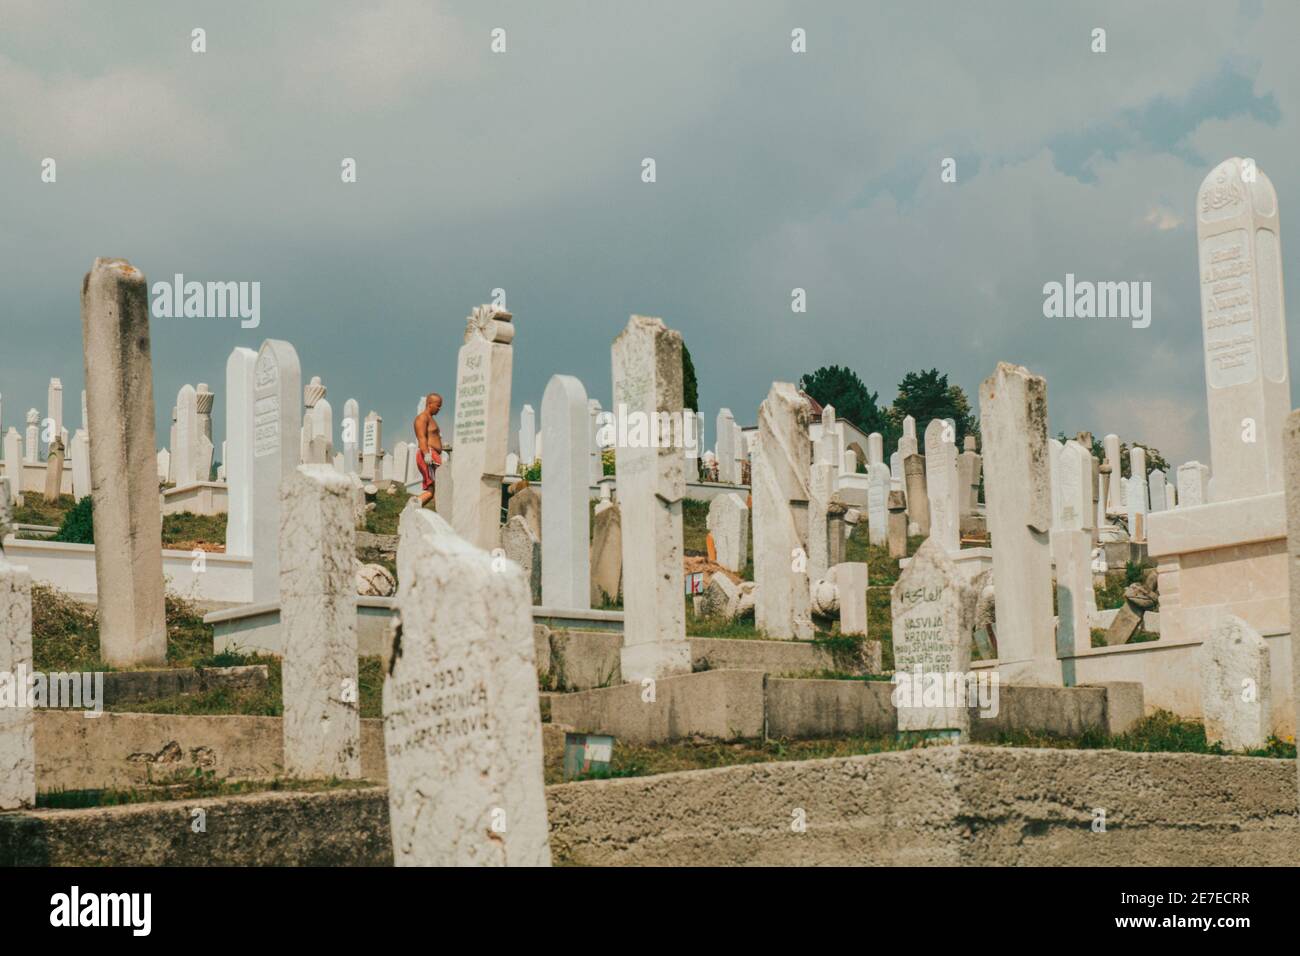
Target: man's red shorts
426	470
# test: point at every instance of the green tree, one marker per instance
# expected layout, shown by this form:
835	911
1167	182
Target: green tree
853	401
927	395
690	385
1155	460
78	525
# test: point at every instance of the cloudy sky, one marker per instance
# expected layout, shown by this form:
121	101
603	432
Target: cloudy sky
522	171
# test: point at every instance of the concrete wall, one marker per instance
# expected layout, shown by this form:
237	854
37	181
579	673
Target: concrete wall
948	806
76	752
255	628
329	828
724	705
963	806
581	660
31	479
71	568
1170	673
737	704
200	498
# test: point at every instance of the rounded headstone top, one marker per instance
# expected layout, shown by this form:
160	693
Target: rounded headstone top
1224	192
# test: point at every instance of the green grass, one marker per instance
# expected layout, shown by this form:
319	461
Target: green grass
184	528
695	515
1161	732
65	634
740	629
191	529
196	786
632	760
388	510
36	510
259	702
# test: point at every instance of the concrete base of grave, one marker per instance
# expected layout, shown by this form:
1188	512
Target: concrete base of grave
1225	557
1120	553
956	806
1103	619
121	750
35	530
1169	671
255	628
125	750
735	705
199	498
32	478
655	659
224	578
962	806
575	660
591	620
121	687
852	490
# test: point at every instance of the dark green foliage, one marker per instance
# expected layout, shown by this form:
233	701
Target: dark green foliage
690	385
78	525
853	401
926	396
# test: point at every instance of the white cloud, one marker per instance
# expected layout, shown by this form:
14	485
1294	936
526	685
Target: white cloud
373	56
130	113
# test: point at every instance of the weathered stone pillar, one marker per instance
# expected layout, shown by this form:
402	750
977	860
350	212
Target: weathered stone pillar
647	374
1236	686
482	424
932	607
566	522
239	451
462	723
17	723
277	383
918	498
123	466
1243	321
781	495
1017	488
318	621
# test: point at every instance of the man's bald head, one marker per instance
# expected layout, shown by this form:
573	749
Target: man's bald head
433	402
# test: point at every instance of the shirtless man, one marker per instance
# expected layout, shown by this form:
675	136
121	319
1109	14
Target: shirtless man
430	439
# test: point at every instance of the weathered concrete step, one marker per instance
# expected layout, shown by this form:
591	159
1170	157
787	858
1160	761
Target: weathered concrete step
741	704
965	806
580	660
75	690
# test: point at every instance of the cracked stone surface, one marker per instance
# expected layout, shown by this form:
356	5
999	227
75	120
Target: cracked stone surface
462	723
318	617
17	724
